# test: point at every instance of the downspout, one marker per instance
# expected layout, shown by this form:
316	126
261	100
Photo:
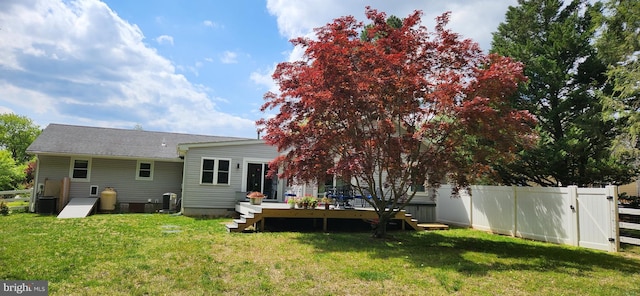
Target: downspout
184	170
35	189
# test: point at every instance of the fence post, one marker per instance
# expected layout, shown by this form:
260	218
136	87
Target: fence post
515	211
614	234
470	194
575	214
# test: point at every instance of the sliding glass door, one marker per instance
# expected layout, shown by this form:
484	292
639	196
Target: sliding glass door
257	180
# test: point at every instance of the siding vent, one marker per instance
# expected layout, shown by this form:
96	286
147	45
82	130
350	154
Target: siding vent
93	190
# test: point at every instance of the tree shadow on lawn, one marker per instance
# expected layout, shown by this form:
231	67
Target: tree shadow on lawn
473	255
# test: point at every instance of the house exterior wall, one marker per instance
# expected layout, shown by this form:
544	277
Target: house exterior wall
215	200
630	189
117	173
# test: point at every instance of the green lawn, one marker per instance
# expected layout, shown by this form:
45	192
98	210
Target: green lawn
19	203
20	206
143	254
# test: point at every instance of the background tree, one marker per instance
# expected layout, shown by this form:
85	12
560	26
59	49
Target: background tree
16	134
397	107
554	43
11	174
619	47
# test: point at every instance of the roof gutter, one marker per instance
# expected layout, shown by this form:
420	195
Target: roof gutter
184	147
121	157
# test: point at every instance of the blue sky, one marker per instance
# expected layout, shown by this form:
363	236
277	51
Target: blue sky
196	66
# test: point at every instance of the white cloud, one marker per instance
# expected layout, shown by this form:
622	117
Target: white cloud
194	69
4	110
263	78
210	24
473	19
164	39
26	99
77	62
229	57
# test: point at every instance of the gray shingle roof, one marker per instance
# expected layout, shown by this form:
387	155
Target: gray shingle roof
111	142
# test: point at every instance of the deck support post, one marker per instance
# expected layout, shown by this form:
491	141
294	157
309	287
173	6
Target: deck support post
324	224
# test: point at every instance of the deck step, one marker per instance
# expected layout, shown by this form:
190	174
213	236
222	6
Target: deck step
231	226
434	226
246	219
237	224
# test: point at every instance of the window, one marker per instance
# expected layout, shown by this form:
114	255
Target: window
415	184
215	171
418	188
80	169
144	170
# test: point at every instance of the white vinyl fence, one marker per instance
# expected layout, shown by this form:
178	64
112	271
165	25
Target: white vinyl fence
585	217
629	225
13	193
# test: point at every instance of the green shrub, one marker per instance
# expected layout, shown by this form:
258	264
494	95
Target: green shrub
4	209
629	201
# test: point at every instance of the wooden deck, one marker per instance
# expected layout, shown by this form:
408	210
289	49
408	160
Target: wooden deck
256	214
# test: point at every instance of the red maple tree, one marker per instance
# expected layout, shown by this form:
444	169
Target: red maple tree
387	107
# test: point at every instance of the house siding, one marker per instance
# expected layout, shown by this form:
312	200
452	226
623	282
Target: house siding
117	173
52	168
198	196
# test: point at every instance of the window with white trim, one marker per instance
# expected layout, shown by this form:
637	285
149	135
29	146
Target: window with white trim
418	188
215	171
80	170
144	170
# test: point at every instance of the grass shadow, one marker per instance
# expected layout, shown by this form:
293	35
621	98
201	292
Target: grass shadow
473	252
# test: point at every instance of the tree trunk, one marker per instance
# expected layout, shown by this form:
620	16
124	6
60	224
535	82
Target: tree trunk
380	229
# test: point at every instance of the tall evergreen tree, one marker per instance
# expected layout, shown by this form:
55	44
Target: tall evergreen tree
619	47
553	41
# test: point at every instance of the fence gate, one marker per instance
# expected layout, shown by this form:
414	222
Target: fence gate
597	218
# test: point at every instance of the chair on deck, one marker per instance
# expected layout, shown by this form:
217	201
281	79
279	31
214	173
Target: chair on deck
342	196
363	199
